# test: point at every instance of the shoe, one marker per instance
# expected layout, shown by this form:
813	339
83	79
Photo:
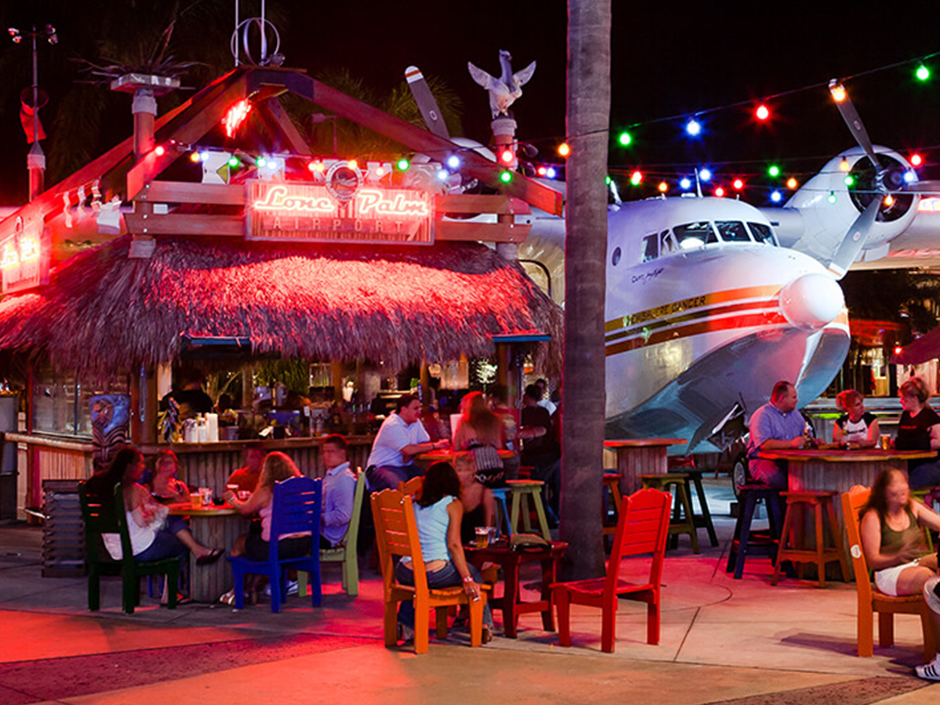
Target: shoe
405	633
487	634
291	588
931	594
929	671
211	557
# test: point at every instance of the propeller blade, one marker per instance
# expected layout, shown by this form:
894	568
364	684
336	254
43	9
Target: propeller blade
854	240
850	115
922	187
426	102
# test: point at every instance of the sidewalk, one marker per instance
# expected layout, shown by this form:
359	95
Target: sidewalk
722	641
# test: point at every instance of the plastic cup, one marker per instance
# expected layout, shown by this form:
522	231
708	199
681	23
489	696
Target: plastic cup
483	536
885	441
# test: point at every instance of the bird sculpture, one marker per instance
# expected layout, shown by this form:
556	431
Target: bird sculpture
506	89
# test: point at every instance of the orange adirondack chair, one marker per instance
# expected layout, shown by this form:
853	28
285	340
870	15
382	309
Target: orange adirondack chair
870	600
642	528
396	534
412	486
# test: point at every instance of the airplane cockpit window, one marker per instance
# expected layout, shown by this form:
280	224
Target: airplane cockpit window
732	231
667	243
763	233
650	247
615	257
693	235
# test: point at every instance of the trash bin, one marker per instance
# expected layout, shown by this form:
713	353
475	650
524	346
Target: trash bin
8	407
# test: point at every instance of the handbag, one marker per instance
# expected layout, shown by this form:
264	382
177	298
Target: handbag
490	472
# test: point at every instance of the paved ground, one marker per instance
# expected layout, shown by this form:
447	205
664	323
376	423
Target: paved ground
722	641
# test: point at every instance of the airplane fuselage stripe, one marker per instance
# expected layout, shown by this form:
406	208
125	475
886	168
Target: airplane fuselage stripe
711	312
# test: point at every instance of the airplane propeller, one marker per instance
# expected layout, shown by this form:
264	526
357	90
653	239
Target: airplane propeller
854	240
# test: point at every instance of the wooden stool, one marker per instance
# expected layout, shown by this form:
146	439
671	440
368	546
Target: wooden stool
612	485
743	542
684	524
792	547
502	513
526	491
705	518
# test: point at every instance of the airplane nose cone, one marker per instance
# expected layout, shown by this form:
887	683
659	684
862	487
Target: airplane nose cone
811	301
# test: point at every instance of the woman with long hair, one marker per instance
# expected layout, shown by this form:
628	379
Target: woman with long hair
154	534
439	514
481	431
164	483
893	542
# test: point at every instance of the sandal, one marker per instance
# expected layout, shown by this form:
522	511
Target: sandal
211	557
487	634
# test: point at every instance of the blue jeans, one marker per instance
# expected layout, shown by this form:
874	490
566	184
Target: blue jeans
925	475
445	577
387	477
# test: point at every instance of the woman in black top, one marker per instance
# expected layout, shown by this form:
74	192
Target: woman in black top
919	429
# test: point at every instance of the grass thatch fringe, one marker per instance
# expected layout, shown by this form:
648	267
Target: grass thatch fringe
104	312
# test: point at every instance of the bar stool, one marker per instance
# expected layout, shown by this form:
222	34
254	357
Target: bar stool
744	542
684	524
524	491
612	485
929	496
502	513
792	546
705	518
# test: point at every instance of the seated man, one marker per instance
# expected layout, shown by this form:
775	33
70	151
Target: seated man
339	489
401	437
776	425
247	477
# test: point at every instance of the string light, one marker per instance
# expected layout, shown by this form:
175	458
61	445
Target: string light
551	173
159	150
792	183
693	127
564	149
762	112
889	200
663	187
837	91
773	170
505	176
832	197
453	161
738	184
849	181
775	196
625	139
705	174
720	192
685	183
922	73
916	159
844	166
507	156
636	178
402	164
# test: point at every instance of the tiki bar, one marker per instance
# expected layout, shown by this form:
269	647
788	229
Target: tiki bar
300	292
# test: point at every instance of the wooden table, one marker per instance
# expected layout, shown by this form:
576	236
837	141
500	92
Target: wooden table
510	603
447	456
840	470
641	456
213	527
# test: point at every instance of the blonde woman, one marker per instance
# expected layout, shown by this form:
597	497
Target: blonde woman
856	426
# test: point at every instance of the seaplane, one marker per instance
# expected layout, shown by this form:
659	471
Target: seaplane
710	300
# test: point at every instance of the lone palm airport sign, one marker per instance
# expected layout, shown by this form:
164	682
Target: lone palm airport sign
24	258
342	209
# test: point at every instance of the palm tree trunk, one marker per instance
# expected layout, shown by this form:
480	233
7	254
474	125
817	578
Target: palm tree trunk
585	257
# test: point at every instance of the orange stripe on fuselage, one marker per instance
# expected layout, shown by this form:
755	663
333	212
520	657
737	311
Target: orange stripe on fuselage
715	297
706	313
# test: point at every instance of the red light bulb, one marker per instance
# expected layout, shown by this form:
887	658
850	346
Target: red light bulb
762	112
916	159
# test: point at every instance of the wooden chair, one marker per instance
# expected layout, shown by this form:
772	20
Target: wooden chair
412	487
396	534
870	600
296	508
642	528
99	521
346	552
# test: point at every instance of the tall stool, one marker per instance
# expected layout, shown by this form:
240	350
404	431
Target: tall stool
792	546
523	492
743	542
502	513
612	485
704	519
684	524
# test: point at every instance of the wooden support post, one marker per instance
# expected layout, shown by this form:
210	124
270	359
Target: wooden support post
336	375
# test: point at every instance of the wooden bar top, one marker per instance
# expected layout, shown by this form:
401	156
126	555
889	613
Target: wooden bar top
643	442
845	456
448	455
269	445
215	510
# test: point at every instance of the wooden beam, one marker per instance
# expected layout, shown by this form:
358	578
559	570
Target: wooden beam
185	224
487	232
500	204
188	192
277	120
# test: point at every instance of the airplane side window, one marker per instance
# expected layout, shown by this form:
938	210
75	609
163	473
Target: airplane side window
693	235
650	247
615	258
667	243
732	231
763	233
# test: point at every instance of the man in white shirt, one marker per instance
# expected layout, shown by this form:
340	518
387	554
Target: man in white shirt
401	437
339	490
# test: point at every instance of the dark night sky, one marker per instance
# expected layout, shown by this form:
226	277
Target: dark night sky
667	59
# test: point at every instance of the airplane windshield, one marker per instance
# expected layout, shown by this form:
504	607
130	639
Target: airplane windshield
650	247
763	233
732	231
692	235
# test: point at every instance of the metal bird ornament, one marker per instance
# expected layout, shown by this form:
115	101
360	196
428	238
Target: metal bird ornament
506	89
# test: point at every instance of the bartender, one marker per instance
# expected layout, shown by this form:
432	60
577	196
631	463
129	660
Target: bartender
190	396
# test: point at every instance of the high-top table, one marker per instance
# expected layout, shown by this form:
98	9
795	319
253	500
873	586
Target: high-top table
840	470
213	527
641	456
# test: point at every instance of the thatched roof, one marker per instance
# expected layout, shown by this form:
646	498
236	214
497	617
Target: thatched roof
104	312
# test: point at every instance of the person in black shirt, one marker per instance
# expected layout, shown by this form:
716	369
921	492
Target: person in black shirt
919	429
540	448
856	426
189	395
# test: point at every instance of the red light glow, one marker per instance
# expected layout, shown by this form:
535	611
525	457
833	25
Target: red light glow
762	112
159	150
506	156
720	192
541	171
236	116
738	184
916	159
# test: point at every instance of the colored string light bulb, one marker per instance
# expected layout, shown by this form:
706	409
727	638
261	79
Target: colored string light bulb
762	112
234	162
844	166
693	128
849	181
837	91
792	183
402	164
564	149
625	139
705	174
505	176
832	197
551	173
773	170
916	159
636	178
720	192
160	150
889	200
541	171
194	157
738	184
453	161
775	196
352	164
922	73
663	187
685	183
506	156
260	162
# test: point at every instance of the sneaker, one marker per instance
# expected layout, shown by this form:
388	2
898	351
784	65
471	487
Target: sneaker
929	671
931	595
291	588
405	633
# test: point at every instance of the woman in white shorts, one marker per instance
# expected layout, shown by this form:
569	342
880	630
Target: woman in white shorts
893	541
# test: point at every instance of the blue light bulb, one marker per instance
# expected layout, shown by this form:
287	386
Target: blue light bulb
705	175
453	161
551	173
693	128
685	183
775	196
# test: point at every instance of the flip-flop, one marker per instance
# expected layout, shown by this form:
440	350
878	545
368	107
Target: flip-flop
211	557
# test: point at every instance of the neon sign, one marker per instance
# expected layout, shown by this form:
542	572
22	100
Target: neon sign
235	116
341	210
22	261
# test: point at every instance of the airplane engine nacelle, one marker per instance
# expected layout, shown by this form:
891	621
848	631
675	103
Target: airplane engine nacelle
829	205
811	301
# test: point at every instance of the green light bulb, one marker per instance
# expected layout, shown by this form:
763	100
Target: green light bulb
849	181
403	165
625	139
922	73
505	177
774	170
233	162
